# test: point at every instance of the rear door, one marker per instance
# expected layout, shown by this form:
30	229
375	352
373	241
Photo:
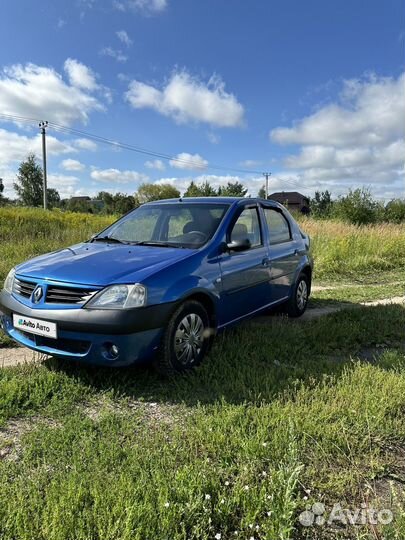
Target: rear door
283	252
245	274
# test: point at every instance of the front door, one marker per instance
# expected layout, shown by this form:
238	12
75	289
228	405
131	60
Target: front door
245	274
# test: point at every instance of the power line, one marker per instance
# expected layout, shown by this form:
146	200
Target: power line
125	146
137	149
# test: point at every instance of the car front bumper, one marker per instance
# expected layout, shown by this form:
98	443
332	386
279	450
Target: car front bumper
88	335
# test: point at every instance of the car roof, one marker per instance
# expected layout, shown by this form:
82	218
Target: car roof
215	200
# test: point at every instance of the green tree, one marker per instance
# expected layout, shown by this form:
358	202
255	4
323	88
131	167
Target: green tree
233	189
357	207
156	192
321	204
29	184
53	198
120	203
205	189
395	211
262	193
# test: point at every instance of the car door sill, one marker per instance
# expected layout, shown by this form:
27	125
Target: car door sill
253	312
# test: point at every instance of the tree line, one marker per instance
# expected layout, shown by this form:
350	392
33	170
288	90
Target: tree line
357	206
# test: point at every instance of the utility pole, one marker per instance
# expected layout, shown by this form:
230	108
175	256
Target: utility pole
266	175
43	126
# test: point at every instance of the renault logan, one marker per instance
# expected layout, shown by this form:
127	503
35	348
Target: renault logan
160	283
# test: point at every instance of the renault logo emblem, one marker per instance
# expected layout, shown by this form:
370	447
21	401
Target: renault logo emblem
37	294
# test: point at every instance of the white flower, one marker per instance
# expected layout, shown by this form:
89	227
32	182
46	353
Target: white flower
227	483
264	473
222	501
218	536
264	444
257	527
251	526
246	488
268	513
167	505
207	497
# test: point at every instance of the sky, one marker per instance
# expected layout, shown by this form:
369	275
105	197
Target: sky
312	91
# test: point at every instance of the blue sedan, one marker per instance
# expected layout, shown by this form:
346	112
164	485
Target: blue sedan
160	283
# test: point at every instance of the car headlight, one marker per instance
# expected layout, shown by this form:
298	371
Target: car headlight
8	284
119	297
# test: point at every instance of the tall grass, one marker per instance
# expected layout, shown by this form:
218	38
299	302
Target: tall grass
28	232
339	249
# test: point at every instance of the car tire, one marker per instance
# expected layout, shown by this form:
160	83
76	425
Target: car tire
297	304
185	340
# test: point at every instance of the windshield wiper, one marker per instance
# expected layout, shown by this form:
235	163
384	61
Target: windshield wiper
158	244
109	239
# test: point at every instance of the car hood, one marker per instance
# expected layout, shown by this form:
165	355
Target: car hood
101	264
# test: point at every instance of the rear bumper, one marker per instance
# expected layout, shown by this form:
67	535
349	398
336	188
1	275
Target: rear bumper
87	335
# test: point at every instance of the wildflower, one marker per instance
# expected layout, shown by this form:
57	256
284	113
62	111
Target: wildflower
264	473
222	501
218	536
207	497
167	505
227	483
246	488
264	444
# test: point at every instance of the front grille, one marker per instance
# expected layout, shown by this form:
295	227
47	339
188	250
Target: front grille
55	294
67	295
23	288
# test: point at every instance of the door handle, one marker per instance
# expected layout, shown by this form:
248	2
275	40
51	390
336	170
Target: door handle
266	261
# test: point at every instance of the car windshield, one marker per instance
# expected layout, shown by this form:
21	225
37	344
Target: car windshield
182	225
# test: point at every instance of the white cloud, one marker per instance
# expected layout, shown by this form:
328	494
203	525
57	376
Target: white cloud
118	55
85	144
189	161
40	92
186	99
64	184
72	165
359	140
123	36
115	176
155	164
80	75
15	147
148	7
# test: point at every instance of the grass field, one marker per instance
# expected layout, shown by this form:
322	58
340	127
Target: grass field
281	415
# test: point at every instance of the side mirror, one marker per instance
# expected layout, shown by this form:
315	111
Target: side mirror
239	245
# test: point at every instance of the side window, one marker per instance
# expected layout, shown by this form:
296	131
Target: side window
279	229
247	226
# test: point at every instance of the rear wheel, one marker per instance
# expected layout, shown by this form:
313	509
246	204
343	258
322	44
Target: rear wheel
297	304
185	340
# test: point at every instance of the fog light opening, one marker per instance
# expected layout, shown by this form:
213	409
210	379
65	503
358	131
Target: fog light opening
111	351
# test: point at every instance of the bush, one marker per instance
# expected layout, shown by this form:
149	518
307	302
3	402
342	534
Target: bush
357	207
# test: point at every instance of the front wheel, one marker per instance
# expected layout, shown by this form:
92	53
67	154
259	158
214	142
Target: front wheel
185	340
297	304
